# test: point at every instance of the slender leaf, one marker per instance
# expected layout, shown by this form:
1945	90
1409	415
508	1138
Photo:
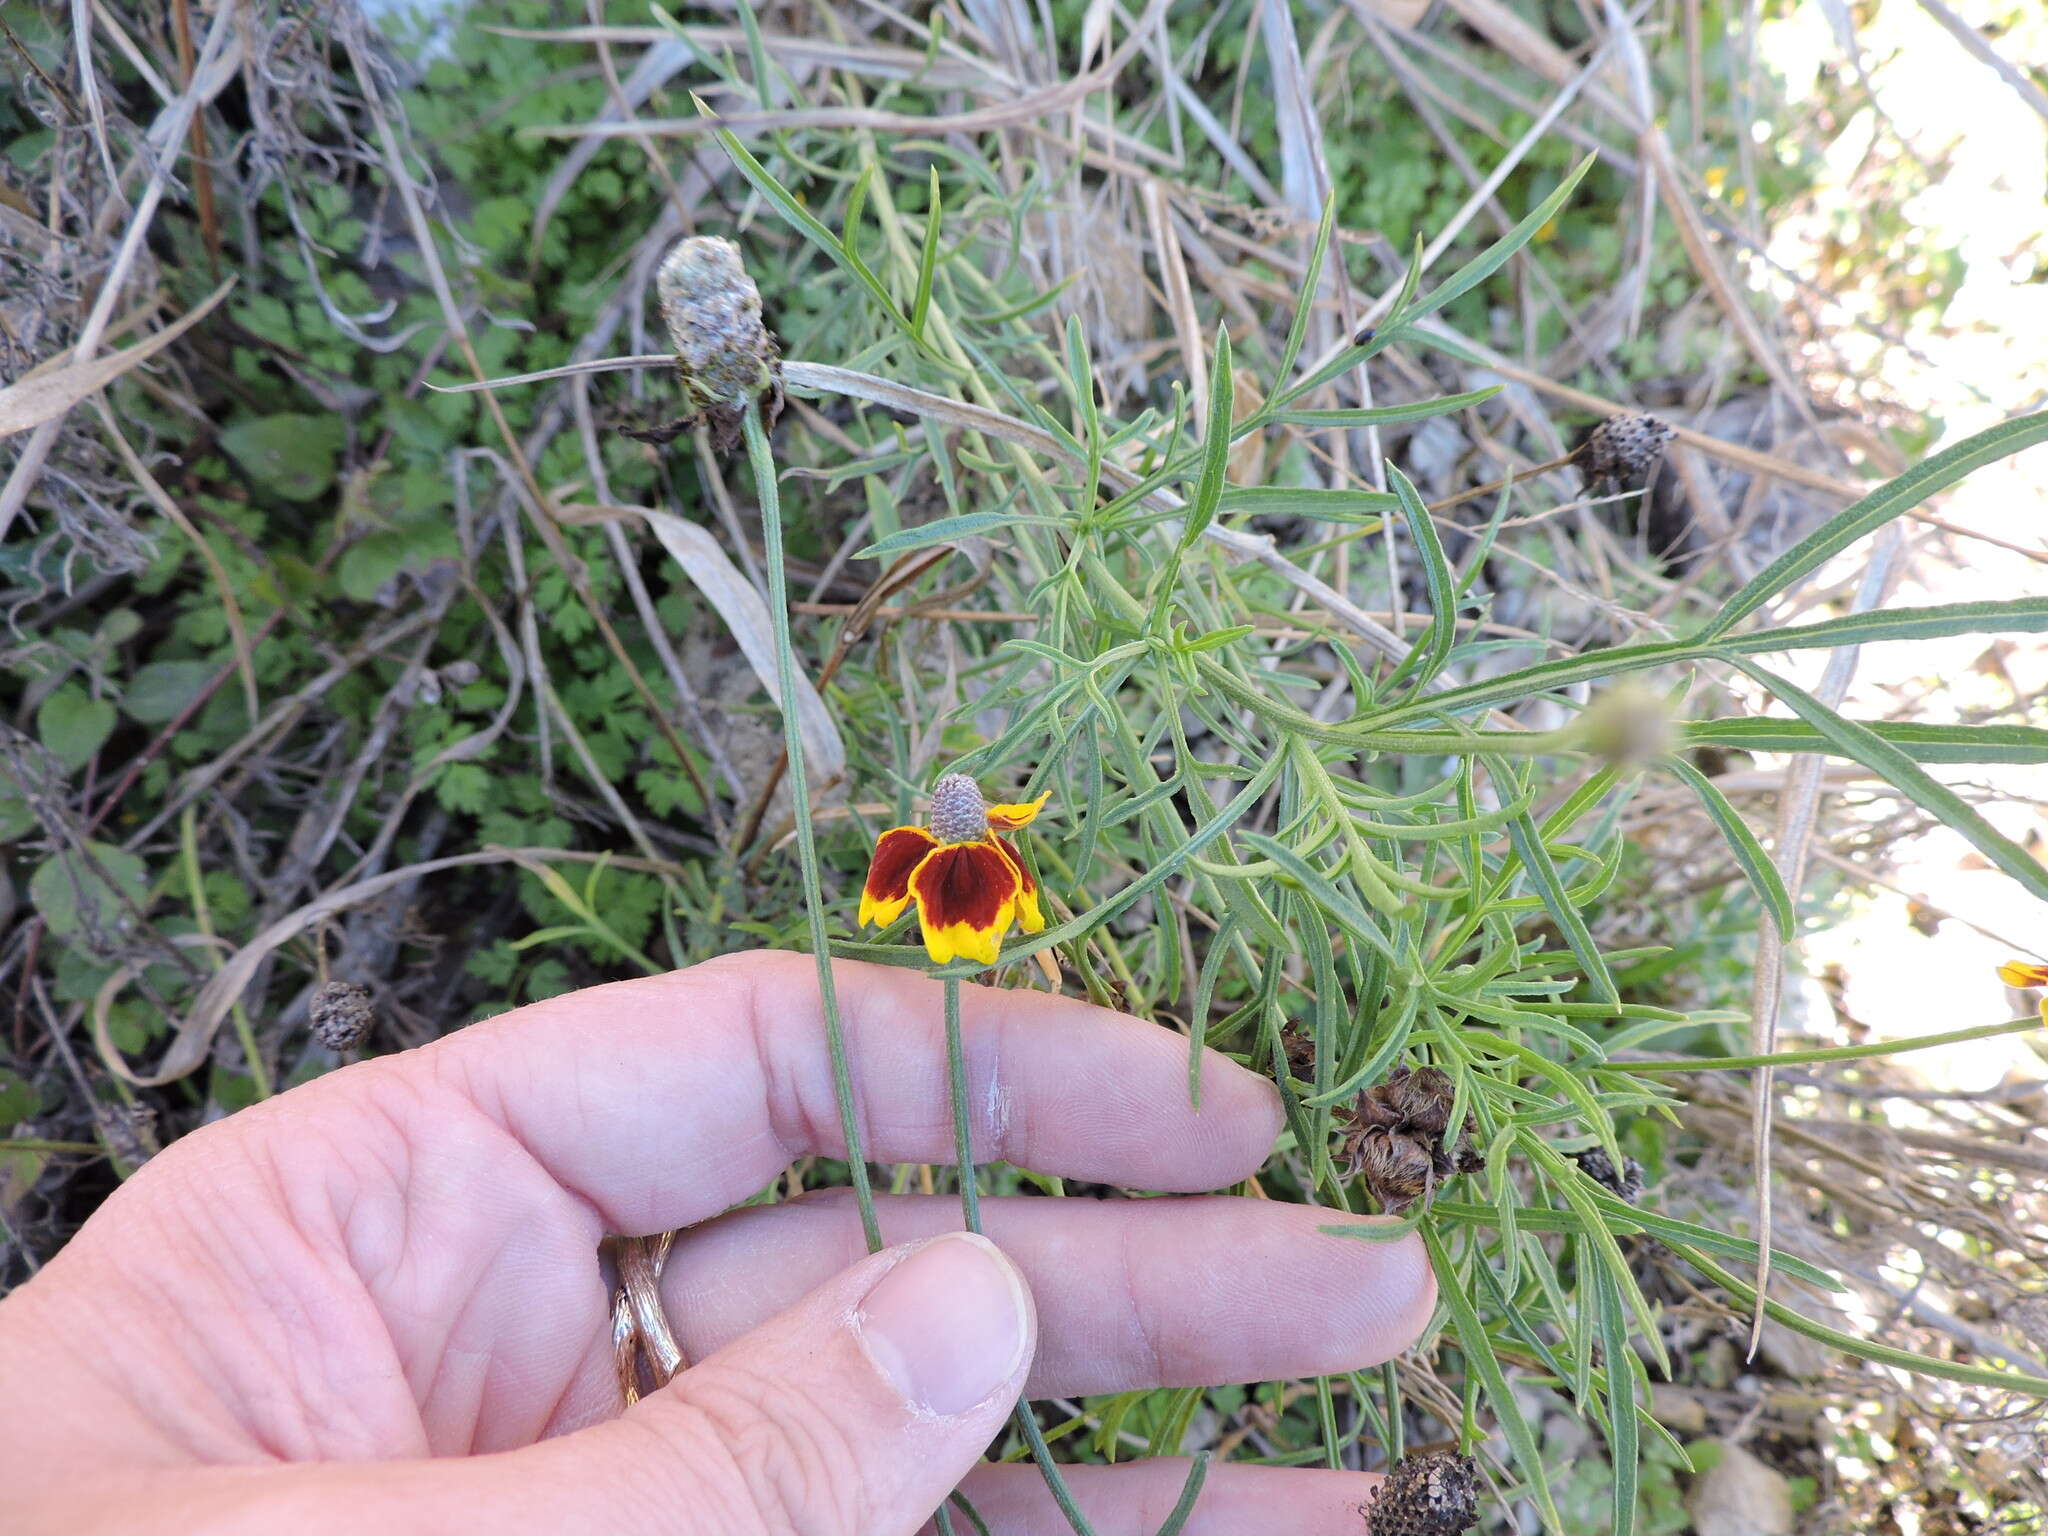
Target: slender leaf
1557	901
1208	495
1495	256
927	260
1384	415
947	529
1897	624
1866	1349
1311	285
802	219
1307	501
1897	767
1478	1351
2024	615
1756	865
1333	903
1923	743
1624	1451
1437	574
1888	501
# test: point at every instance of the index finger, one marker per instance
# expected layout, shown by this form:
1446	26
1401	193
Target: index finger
666	1100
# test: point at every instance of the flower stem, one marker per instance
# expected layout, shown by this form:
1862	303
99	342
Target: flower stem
970	1212
769	495
963	1127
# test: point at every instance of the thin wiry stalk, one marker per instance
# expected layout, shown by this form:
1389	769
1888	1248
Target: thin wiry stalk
970	1213
768	493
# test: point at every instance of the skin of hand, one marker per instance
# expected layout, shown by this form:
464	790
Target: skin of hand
376	1301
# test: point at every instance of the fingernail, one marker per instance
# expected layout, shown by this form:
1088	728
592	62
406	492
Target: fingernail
947	1326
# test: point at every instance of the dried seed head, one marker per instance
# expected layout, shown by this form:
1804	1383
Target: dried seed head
130	1132
1397	1169
713	313
1394	1137
1433	1495
1301	1052
1599	1167
1420	1099
959	814
342	1013
1625	450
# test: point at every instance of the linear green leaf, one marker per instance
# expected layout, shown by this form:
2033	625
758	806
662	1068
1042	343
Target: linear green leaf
1865	1349
1383	415
1437	573
1478	1350
2023	615
1345	912
1311	285
1888	501
1757	867
803	220
1898	624
1307	501
1836	1052
1857	741
1624	1220
1495	256
1557	901
966	526
927	260
1923	743
1623	1448
1208	494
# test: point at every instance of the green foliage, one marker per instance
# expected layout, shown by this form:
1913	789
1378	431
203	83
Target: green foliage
1258	824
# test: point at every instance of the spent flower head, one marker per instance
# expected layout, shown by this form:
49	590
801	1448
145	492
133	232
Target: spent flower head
1624	451
713	313
1427	1495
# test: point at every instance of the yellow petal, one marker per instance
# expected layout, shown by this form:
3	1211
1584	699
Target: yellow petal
2022	973
1008	818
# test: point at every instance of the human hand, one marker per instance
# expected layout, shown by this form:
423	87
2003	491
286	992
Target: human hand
376	1303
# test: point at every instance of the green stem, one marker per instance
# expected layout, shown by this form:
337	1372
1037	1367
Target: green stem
963	1129
770	497
1864	1349
1833	1052
245	1032
970	1212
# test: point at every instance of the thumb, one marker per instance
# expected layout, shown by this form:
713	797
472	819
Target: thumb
853	1413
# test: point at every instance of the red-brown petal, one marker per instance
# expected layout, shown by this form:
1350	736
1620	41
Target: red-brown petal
897	853
966	900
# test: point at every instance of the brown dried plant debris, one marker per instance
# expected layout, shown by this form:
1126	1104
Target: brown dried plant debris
1395	1140
1299	1048
1426	1495
342	1013
1627	1184
724	353
1624	451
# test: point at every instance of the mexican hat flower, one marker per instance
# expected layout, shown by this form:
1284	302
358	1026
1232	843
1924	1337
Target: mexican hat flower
2023	974
968	882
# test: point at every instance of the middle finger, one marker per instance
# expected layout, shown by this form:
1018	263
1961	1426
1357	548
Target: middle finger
1131	1294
